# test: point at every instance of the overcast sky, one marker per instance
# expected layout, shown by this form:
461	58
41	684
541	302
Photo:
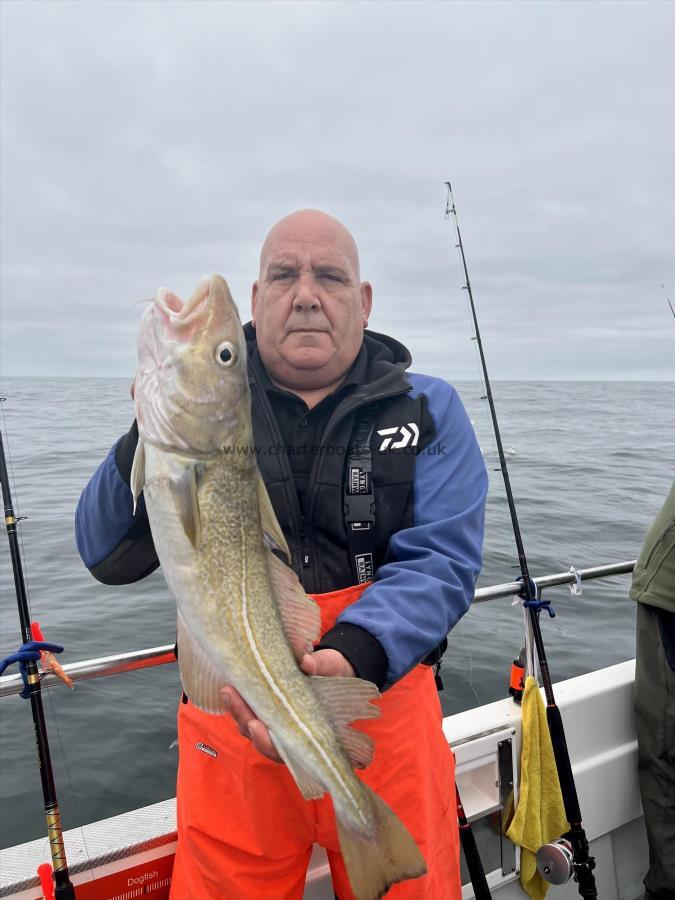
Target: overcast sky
146	144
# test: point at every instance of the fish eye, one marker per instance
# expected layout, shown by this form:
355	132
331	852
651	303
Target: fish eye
225	354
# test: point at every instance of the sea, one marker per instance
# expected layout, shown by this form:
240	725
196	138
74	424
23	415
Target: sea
590	464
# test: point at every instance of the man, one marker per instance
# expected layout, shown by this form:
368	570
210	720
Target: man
375	476
654	588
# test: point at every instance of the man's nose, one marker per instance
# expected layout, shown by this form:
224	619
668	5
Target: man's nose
307	298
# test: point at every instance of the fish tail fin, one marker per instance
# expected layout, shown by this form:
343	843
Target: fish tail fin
374	865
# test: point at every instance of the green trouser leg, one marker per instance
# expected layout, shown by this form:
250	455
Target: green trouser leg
655	726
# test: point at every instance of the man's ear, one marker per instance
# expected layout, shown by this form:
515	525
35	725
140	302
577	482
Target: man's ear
366	301
254	301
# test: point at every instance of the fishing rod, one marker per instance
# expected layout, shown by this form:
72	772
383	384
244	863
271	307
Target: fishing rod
27	657
474	864
582	863
668	301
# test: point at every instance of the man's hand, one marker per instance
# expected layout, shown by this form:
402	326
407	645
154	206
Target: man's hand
322	662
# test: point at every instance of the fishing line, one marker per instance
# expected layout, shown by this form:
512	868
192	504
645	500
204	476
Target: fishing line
467	649
73	792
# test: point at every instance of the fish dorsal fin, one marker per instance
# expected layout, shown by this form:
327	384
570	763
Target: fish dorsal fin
137	480
201	680
346	700
274	536
184	492
310	787
300	615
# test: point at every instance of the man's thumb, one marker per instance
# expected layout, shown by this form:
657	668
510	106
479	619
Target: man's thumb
325	662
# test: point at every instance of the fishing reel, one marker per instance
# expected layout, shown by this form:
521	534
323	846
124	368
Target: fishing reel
556	864
555	861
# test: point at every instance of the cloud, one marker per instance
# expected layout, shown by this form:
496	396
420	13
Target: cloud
146	144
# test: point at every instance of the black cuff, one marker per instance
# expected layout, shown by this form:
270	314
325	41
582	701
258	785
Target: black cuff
359	647
124	452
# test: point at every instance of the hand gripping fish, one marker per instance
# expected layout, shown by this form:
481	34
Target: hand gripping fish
243	618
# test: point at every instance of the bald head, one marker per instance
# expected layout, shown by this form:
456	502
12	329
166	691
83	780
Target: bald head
309	305
314	226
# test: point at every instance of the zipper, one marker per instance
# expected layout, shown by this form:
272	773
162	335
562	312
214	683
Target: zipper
306	556
660	540
299	536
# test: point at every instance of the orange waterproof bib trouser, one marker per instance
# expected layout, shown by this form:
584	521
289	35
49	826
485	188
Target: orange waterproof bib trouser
246	833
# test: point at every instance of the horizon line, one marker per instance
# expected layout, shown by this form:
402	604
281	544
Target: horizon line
637	380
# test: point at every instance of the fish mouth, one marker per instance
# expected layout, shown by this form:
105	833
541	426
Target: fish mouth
210	307
184	313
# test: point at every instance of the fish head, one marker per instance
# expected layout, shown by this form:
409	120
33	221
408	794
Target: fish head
191	390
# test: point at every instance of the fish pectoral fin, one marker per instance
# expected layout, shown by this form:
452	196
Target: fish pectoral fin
346	700
202	682
300	615
137	480
184	492
274	536
310	787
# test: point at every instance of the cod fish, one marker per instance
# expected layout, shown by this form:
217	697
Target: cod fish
243	618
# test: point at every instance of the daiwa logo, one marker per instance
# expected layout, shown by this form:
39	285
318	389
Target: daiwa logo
206	749
409	436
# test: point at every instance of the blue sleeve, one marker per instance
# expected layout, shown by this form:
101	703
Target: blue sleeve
428	583
115	545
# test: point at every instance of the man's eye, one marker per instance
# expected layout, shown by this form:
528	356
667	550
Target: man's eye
328	276
282	276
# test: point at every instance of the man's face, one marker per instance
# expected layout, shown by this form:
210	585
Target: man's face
309	308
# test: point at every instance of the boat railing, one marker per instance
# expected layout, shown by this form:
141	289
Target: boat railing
158	656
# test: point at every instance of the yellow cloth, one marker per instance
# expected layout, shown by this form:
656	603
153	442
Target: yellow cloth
540	816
